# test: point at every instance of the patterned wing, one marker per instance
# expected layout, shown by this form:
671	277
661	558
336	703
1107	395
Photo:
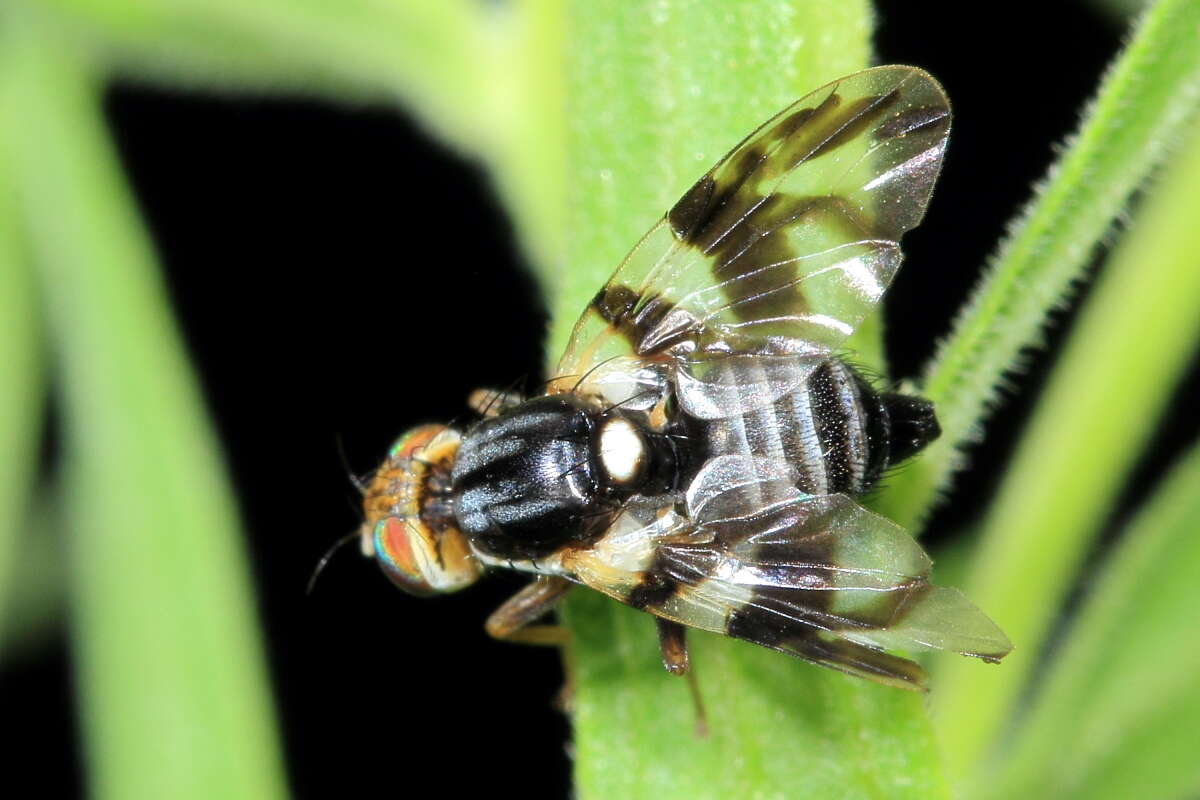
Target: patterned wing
784	246
818	577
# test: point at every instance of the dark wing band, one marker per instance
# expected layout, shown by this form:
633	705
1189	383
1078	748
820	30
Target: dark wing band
818	577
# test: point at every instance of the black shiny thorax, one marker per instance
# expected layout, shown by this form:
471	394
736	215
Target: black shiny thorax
532	479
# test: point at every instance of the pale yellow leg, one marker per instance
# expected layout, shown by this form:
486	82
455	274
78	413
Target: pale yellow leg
512	620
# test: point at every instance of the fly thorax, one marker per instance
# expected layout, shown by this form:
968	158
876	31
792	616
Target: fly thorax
551	472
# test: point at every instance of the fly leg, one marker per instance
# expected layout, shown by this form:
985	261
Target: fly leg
672	642
511	621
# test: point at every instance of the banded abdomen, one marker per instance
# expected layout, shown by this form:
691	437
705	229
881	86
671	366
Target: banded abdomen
834	430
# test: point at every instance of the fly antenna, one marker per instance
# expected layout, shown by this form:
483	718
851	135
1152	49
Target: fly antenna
338	545
354	479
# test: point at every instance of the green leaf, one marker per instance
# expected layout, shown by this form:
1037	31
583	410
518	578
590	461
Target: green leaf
1125	356
1124	687
656	94
174	696
775	725
486	78
349	50
34	598
20	400
1144	104
1120	10
1126	674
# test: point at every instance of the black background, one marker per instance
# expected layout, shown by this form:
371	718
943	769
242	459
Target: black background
321	305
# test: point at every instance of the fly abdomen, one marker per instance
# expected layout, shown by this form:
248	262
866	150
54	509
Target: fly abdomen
834	430
843	410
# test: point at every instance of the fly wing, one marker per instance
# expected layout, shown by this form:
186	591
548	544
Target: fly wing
827	580
818	577
781	249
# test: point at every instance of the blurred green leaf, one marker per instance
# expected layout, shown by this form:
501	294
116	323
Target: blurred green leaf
428	53
1144	104
1124	357
22	394
486	78
34	596
1127	674
174	694
1121	10
1124	687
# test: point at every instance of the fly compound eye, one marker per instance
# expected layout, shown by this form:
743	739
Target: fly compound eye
404	555
417	440
420	562
622	451
410	527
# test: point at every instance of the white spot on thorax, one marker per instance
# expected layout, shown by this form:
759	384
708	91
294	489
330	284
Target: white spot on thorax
621	449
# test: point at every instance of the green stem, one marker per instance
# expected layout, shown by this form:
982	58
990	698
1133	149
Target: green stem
1122	361
174	694
1144	104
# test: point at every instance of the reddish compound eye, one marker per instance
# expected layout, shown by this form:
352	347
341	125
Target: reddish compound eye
421	438
409	530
